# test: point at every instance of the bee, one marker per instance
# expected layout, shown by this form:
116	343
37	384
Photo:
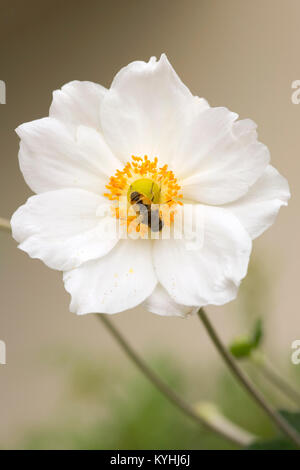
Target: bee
142	194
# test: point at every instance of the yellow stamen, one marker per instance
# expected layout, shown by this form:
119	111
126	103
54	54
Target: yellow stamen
169	190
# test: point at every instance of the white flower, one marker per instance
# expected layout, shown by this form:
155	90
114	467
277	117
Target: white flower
79	159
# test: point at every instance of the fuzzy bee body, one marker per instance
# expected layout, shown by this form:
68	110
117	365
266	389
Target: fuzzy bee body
147	215
137	198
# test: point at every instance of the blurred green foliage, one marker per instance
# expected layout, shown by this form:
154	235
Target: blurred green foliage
129	413
279	443
103	406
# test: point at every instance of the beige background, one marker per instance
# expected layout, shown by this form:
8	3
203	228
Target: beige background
235	53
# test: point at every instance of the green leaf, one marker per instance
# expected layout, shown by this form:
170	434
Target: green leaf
292	417
241	347
257	334
275	444
279	443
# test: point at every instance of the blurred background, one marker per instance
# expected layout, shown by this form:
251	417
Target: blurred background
66	383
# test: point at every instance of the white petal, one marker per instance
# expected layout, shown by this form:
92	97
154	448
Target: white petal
162	304
119	281
219	159
64	228
50	158
211	273
78	103
258	209
145	109
92	144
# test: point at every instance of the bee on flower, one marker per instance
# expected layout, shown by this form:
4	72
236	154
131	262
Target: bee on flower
145	149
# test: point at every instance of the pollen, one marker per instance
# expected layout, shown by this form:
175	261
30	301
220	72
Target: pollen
144	168
155	184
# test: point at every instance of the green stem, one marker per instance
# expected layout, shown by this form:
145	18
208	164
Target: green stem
234	434
280	422
238	438
269	373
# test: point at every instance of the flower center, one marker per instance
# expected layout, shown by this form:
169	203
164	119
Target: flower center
149	192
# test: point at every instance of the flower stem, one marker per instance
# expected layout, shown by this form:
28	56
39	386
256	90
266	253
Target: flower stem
269	373
238	438
233	433
280	422
5	225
